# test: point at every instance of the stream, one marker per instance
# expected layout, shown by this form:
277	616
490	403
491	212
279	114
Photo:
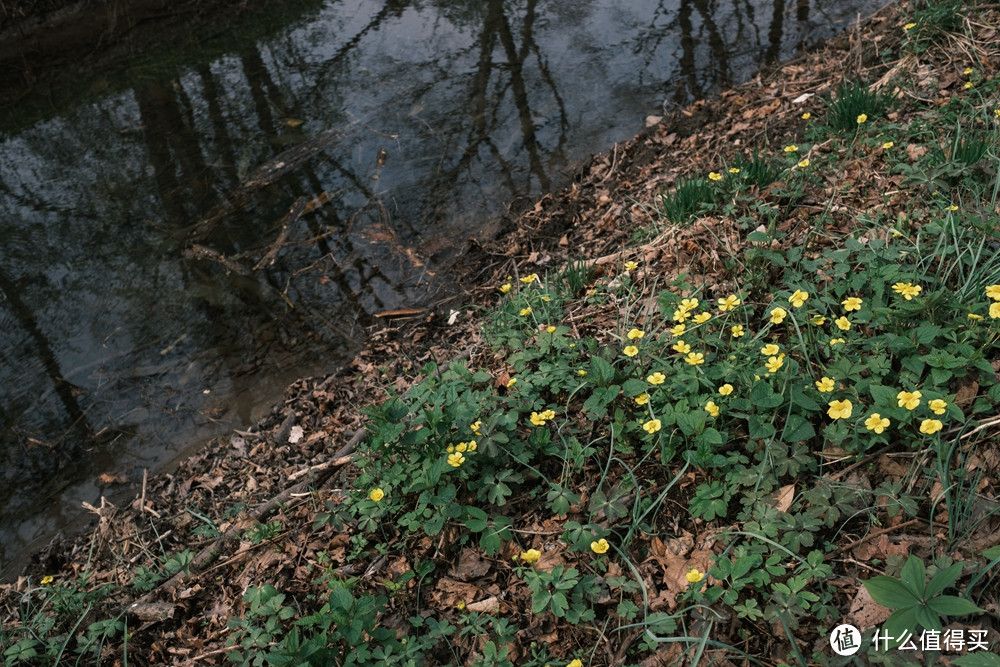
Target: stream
188	227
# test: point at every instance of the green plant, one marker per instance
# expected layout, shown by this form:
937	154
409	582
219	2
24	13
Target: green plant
917	601
854	105
932	21
687	198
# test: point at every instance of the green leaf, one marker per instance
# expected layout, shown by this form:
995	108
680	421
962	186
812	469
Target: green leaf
943	580
890	592
660	623
904	620
633	387
602	372
952	605
797	429
926	334
800	399
476	521
913	574
927	618
977	659
992	553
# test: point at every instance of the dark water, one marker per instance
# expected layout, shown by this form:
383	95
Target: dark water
137	317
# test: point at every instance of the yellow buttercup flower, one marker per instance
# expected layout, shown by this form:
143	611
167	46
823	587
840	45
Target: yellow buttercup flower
967	71
817	320
995	310
938	406
694	358
656	378
778	315
774	364
476	426
506	287
701	318
47	579
862	118
712	409
681	315
635	334
908	400
726	389
539	418
825	384
738	331
907	290
734	170
887	145
511	382
631	266
681	347
526	311
715	176
968	84
803	163
806	116
652	426
529	279
581	372
461	447
531	555
909	26
688	305
877	423
376	494
798	298
840	409
694	576
642	399
842	323
931	426
679	330
791	148
770	350
851	303
455	460
600	546
974	316
574	663
953	207
472	445
993	292
630	351
550	329
730	302
837	341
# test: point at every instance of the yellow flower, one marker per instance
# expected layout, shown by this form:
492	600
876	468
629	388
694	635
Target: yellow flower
681	347
974	316
630	351
825	384
455	460
712	409
798	298
778	315
931	426
529	279
967	71
909	26
652	426
995	310
953	207
993	292
734	170
842	323
938	406
967	85
47	579
887	145
726	389
840	409
642	399
635	334
862	118
681	315
449	449
656	378
631	266
806	116
908	400
574	663
715	176
581	372
694	576
476	426
876	423
531	555
817	320
538	418
679	330
600	546
550	329
791	148
774	363
526	311
851	303
511	382
688	305
505	288
907	290
730	302
738	331
376	494
770	350
803	163
472	445
461	447
695	358
703	317
545	298
837	341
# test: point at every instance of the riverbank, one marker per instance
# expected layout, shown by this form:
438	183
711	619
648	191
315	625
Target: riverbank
609	430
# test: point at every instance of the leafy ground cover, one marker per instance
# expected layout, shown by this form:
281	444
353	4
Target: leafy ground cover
736	387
